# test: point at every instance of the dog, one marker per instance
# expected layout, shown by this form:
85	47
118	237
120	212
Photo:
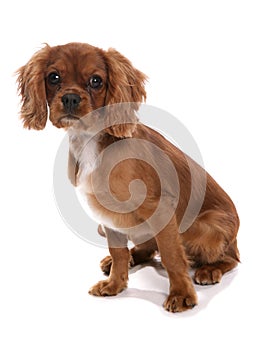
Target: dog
94	95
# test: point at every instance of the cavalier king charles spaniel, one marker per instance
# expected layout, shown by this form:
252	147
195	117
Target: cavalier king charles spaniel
144	195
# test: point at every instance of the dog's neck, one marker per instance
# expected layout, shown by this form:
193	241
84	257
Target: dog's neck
84	147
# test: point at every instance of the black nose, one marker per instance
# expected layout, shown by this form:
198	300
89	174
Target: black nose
70	102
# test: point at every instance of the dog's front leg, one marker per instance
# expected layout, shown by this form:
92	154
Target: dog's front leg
118	278
182	295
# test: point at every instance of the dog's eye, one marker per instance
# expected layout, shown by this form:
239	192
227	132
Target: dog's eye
54	78
95	82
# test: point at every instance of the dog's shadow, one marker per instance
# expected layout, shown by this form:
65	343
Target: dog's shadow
155	276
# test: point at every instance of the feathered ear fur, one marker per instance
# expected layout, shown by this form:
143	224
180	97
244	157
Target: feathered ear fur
125	84
31	86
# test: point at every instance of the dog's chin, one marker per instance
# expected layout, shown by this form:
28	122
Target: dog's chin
66	121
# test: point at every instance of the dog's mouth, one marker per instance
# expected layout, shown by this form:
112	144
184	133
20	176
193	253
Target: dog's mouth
66	121
68	118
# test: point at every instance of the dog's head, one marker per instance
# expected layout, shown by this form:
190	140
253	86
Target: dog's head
76	79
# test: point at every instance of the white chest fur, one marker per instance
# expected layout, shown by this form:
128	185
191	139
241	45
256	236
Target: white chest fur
84	148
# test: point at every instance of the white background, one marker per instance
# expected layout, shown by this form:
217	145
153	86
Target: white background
202	59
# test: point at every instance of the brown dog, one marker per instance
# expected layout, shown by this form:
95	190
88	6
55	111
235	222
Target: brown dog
76	79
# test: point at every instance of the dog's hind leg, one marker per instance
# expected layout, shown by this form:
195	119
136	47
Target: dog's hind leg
211	245
144	252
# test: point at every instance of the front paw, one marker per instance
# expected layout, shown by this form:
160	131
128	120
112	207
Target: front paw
107	288
179	303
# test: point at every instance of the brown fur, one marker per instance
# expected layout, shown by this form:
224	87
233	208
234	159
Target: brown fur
209	243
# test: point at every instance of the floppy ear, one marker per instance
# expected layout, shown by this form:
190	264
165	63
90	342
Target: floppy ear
125	84
31	86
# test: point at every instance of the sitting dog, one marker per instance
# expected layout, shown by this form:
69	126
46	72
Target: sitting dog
94	95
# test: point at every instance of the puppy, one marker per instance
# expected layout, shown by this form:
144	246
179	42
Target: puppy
135	182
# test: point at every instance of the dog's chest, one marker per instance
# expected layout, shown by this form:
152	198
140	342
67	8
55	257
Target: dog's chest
85	150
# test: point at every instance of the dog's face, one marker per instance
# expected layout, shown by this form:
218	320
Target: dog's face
75	79
76	83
